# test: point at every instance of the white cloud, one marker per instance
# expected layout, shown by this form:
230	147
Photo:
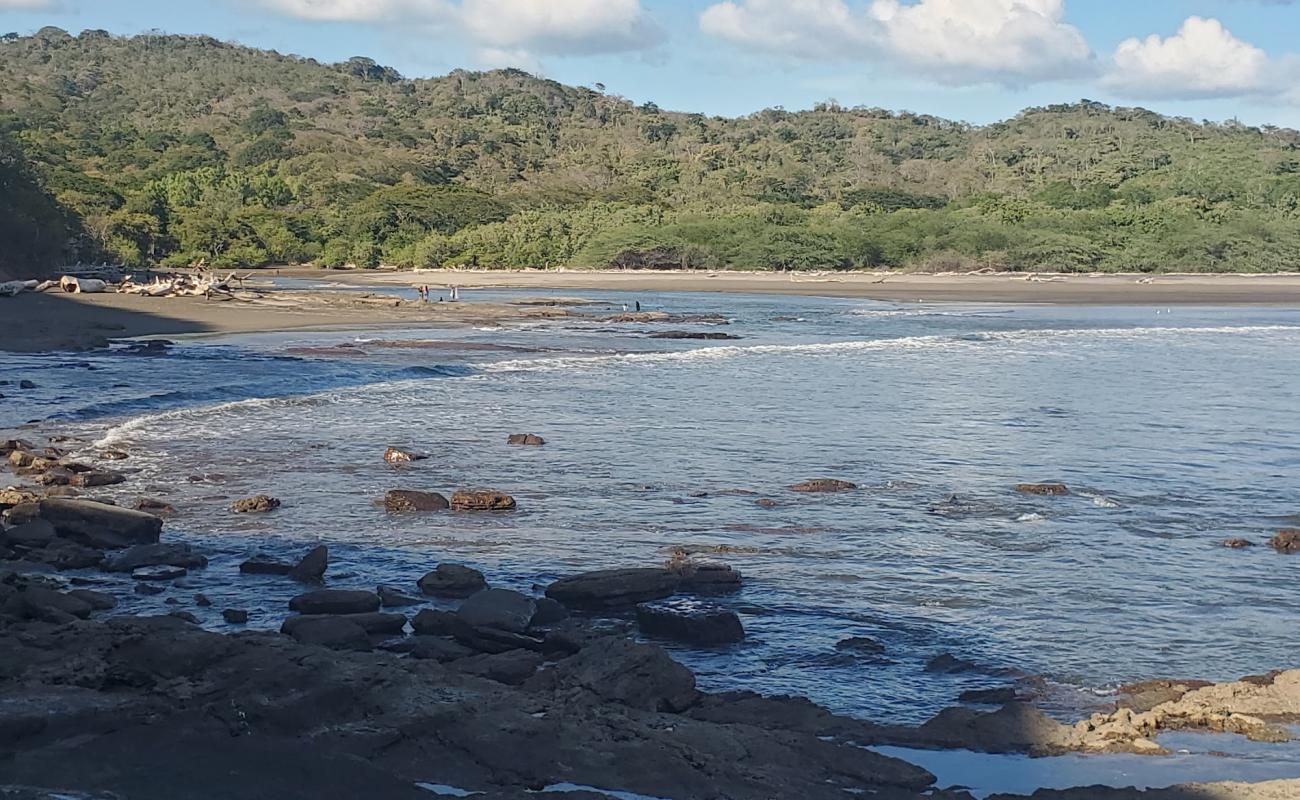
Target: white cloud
506	32
1013	42
26	3
1202	60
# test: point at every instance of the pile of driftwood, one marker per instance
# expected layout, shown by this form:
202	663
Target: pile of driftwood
200	284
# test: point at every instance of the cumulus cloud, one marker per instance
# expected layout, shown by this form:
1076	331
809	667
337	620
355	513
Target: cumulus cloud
1013	42
506	32
1202	60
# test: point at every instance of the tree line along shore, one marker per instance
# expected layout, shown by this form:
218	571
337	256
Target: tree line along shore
176	150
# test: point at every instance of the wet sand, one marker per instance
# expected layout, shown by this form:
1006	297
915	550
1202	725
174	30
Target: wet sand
891	287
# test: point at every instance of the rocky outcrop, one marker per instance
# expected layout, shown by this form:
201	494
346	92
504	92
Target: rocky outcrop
264	564
335	601
1286	541
691	622
823	486
375	623
529	439
614	588
502	609
406	501
706	335
98	524
481	500
311	569
631	674
155	555
258	504
1044	489
95	478
452	580
707	578
392	598
397	456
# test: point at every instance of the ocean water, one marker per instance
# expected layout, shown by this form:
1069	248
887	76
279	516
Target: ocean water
1176	428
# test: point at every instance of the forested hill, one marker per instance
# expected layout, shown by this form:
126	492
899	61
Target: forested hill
179	149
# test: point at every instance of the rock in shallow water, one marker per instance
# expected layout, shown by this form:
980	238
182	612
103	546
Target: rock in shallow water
690	621
481	500
452	580
1286	541
100	524
824	485
614	588
406	501
1044	489
155	555
502	609
370	622
392	598
158	573
235	616
258	504
529	439
313	565
335	601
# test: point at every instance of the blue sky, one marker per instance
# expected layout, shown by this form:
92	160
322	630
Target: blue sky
976	60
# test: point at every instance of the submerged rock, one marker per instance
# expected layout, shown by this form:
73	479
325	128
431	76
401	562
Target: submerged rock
452	580
155	555
263	564
235	616
614	588
392	598
406	501
824	485
690	621
860	644
525	439
1046	489
481	500
258	504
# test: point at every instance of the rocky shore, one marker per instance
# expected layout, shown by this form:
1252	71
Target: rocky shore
376	692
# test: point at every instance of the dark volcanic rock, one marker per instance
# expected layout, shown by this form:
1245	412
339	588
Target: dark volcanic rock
994	697
637	675
97	600
63	554
100	524
431	648
512	667
614	588
716	335
312	567
452	580
258	504
502	609
481	500
159	573
432	622
371	623
708	578
824	485
1047	489
30	536
337	633
690	621
263	564
150	505
47	605
530	439
148	589
235	616
155	555
406	501
1286	541
335	601
391	598
947	662
860	644
548	612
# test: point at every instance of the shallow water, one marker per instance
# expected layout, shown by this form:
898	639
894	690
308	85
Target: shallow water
1176	429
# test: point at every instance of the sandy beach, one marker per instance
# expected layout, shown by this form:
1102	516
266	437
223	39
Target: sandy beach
38	322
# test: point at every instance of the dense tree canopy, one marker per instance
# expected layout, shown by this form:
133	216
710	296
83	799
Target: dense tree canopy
176	150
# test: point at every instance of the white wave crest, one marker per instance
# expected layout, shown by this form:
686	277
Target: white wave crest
124	432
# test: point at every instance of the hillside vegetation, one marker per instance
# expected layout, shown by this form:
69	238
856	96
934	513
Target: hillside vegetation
176	150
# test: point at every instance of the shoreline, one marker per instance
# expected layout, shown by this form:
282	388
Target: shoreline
33	323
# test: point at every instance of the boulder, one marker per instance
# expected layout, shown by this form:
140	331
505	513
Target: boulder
823	485
502	609
96	478
335	601
100	524
159	573
691	622
258	504
620	671
156	507
235	616
148	589
29	536
1286	541
708	578
98	601
336	633
391	598
481	500
948	663
202	601
614	588
406	501
525	439
548	612
63	554
155	555
431	622
1238	544
430	648
50	605
312	567
371	622
452	580
263	564
494	640
512	667
1045	489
